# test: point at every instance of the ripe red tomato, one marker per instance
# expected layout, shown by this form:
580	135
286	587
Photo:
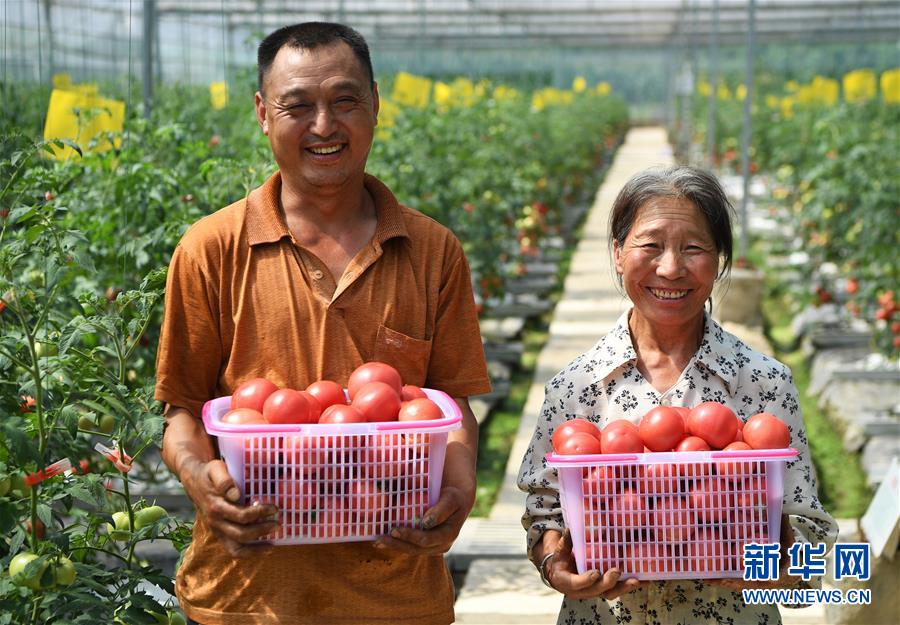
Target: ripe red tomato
342	413
628	511
602	555
252	394
646	558
673	520
566	429
374	372
661	428
735	470
713	422
660	478
315	408
683	411
620	423
712	499
621	440
386	457
377	401
367	500
579	443
420	409
333	520
243	416
328	393
306	455
709	553
286	406
692	443
410	391
598	481
766	431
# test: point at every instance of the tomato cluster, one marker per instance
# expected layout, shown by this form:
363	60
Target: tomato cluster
328	487
375	391
658	518
704	427
337	485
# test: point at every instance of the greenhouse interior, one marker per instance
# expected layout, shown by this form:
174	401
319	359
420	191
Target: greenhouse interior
512	125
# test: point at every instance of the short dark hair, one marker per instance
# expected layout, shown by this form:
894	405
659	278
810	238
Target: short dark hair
308	36
691	183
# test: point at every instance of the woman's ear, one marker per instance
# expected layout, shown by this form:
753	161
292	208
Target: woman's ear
617	258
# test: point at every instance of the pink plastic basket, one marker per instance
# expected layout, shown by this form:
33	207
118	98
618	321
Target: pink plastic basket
337	482
671	514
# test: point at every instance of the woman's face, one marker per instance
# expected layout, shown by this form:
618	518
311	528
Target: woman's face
668	262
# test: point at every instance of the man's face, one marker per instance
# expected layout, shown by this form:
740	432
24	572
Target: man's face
319	113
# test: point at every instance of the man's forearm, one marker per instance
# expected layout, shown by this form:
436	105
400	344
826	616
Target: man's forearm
185	441
462	453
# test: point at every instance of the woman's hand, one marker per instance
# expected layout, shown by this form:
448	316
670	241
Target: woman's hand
561	572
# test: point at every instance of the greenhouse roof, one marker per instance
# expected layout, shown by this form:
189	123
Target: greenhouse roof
488	24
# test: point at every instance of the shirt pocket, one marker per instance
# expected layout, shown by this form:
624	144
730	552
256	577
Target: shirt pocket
408	355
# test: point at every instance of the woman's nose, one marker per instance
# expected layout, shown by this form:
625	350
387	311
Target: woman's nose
670	264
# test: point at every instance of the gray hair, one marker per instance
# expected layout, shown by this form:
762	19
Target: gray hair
681	181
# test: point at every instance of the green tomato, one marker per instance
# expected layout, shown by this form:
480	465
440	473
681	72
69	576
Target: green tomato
121	530
5	485
86	423
64	571
148	516
46	349
19	486
17	570
107	423
175	618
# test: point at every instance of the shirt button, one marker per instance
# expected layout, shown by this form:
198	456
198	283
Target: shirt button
665	401
317	274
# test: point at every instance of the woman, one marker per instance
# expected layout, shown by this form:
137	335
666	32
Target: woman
670	234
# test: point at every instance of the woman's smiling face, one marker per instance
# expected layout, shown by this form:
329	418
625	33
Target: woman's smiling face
668	261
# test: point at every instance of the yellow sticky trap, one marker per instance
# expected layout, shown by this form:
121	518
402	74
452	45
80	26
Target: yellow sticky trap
218	95
81	117
411	90
62	80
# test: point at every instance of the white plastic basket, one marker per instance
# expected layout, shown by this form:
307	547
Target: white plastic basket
665	515
337	482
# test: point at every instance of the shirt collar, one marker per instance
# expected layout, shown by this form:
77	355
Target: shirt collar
716	351
265	222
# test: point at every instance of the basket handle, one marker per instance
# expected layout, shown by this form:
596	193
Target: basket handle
787	452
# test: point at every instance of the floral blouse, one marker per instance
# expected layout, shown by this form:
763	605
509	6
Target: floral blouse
604	384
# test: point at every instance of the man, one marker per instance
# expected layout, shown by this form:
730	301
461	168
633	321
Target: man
314	273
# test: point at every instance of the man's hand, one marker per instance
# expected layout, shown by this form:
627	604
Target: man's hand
188	452
562	574
441	524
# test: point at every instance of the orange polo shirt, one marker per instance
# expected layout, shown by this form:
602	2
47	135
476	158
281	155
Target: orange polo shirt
244	300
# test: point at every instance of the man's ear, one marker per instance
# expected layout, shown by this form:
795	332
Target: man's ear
260	107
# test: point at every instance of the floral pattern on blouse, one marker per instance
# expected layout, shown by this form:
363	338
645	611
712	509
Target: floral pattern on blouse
604	384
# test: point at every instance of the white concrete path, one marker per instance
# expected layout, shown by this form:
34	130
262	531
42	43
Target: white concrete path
502	587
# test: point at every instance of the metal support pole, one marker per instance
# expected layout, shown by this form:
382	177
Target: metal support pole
48	24
147	68
746	135
713	85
